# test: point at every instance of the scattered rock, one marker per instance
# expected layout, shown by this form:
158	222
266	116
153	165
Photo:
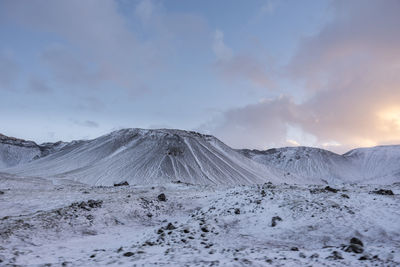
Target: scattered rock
336	255
122	184
357	241
274	220
330	189
162	197
386	192
204	229
87	205
128	254
354	248
170	226
263	194
314	256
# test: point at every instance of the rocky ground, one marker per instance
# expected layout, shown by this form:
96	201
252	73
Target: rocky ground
42	224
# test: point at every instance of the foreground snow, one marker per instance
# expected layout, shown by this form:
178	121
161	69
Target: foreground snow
78	225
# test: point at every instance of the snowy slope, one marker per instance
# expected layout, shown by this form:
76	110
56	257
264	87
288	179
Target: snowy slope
379	164
47	225
150	157
364	165
14	151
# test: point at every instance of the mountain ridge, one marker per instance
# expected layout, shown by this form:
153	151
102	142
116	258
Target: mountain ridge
165	155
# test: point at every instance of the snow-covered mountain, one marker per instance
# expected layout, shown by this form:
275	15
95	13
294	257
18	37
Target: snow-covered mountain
379	165
14	151
141	156
161	156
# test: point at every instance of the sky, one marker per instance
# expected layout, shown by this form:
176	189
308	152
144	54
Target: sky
256	74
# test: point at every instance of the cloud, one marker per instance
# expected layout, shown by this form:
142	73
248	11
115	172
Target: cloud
238	67
99	45
9	72
91	103
87	123
144	10
351	75
221	50
39	86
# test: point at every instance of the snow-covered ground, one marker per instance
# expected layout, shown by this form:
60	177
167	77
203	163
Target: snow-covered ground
73	224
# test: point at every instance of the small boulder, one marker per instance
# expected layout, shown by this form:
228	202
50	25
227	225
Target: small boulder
170	226
330	189
237	211
354	248
122	184
274	220
357	241
386	192
162	197
336	255
128	254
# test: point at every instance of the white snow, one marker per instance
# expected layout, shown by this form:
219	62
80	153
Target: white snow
40	226
151	157
376	165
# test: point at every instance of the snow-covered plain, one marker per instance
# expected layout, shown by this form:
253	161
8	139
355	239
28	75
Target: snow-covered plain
197	225
221	207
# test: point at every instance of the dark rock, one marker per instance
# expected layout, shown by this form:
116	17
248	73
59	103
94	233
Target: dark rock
204	229
354	248
314	256
344	196
356	241
263	194
386	192
274	220
93	255
330	189
162	197
122	184
170	226
95	203
336	255
363	258
128	254
294	249
237	211
1	193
